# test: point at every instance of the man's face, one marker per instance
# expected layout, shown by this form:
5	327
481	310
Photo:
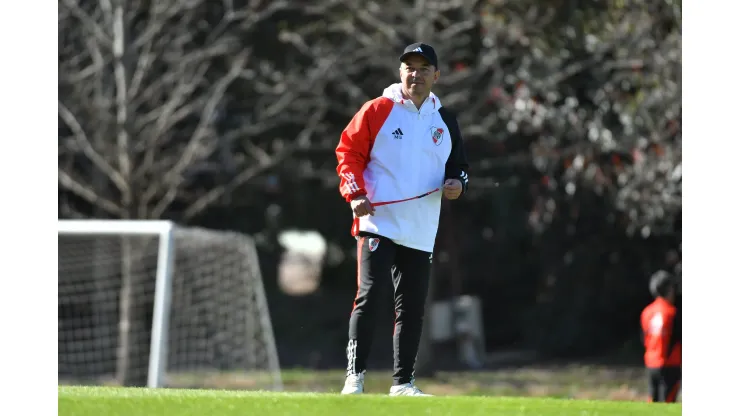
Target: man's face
418	76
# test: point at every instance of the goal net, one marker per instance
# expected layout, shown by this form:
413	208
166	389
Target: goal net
155	303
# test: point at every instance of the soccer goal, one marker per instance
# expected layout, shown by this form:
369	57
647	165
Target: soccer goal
172	306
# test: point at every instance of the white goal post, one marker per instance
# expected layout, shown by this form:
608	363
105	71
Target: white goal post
207	282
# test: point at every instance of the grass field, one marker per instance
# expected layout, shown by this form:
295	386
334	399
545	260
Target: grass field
575	381
114	401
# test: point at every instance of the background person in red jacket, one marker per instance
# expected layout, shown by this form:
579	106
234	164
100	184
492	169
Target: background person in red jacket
661	332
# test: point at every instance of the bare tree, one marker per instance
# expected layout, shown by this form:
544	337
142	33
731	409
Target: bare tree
143	88
144	92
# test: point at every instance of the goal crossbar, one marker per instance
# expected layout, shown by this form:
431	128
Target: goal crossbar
115	227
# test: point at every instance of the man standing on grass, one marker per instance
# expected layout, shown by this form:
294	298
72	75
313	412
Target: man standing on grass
393	157
661	334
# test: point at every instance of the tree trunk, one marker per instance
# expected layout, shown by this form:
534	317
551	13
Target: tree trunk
134	326
123	369
104	307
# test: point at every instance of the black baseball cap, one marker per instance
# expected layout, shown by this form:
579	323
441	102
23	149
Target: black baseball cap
426	51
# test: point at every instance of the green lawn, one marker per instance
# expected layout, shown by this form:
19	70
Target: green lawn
588	382
115	401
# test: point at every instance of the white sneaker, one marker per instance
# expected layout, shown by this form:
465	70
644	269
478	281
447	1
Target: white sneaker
408	389
354	384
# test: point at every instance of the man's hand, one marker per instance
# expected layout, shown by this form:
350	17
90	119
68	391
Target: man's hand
361	206
452	188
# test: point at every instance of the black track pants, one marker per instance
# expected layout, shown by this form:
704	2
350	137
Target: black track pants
664	384
381	262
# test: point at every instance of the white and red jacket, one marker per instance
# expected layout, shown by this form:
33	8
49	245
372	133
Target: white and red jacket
391	150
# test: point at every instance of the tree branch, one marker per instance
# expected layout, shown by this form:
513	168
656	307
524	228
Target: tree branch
87	21
88	194
264	163
87	148
174	177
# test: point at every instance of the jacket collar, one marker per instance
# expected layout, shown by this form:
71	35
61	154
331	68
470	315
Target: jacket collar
430	105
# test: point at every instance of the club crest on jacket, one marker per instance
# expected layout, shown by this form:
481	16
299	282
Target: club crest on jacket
373	243
437	135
